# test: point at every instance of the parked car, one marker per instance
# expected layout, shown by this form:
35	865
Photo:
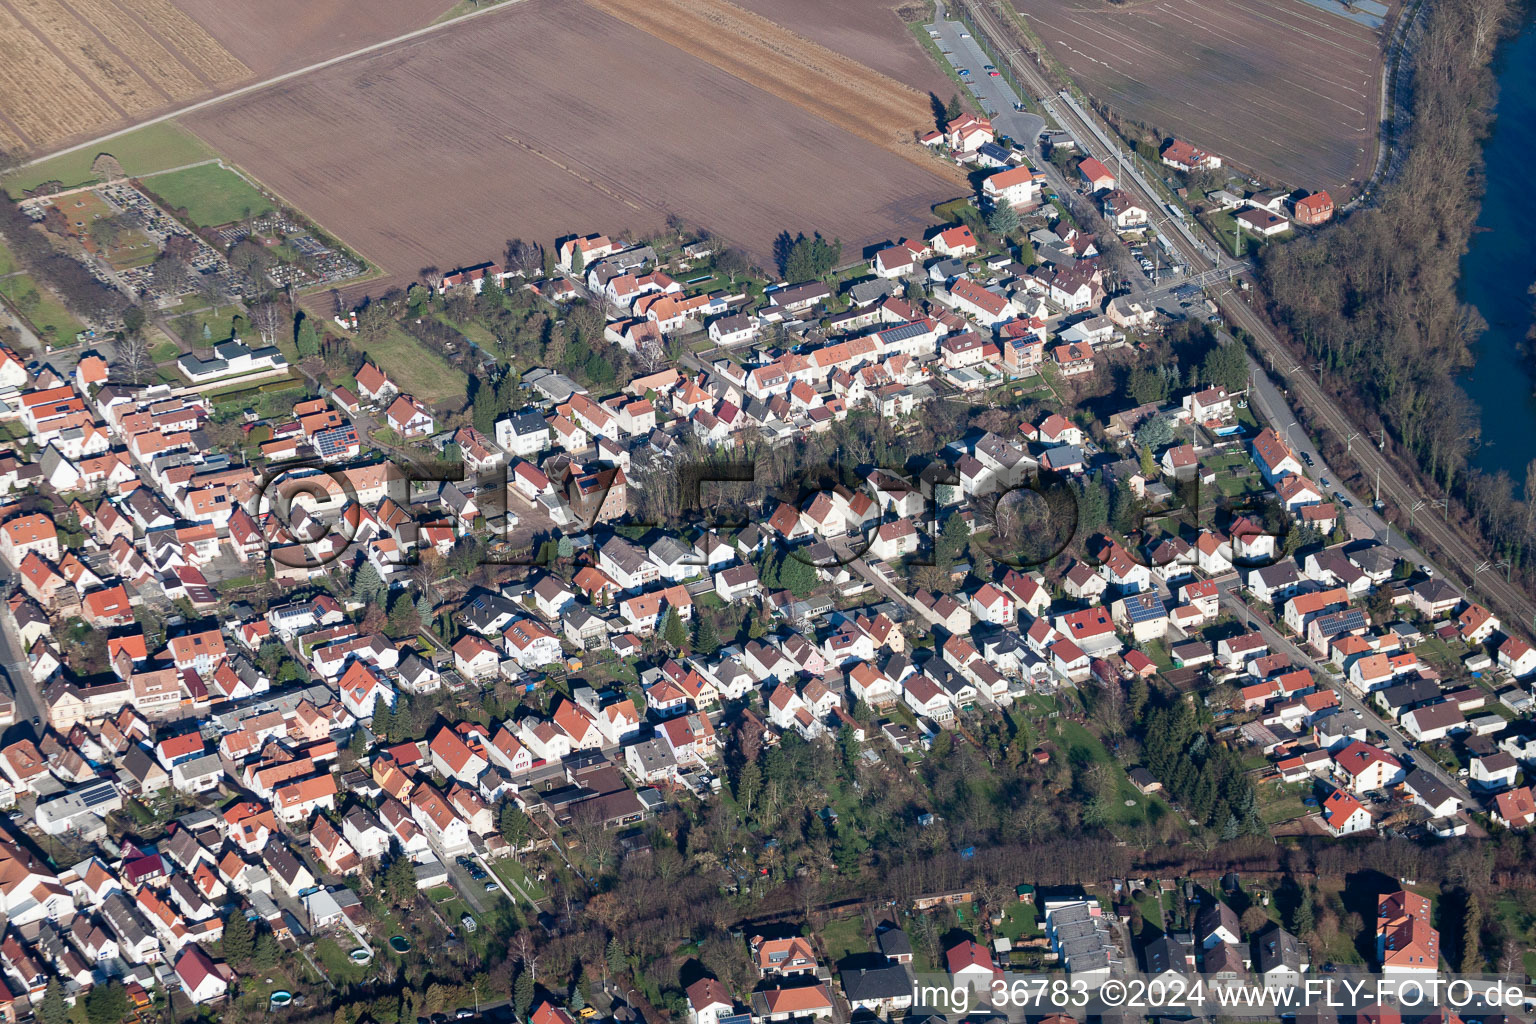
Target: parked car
993	74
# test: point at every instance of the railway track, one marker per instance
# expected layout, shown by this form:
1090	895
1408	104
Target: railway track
1470	566
1456	552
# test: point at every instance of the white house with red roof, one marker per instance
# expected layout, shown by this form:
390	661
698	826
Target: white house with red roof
590	248
983	306
897	260
1095	175
968	133
1273	456
956	241
1517	657
452	758
408	417
1183	156
474	657
1016	186
995	605
1366	767
1343	815
531	644
971	963
202	980
1055	430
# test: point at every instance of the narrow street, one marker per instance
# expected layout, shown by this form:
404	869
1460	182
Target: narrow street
1351	704
13	661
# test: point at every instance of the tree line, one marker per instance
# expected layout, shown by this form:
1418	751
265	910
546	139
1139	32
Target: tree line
70	280
1374	297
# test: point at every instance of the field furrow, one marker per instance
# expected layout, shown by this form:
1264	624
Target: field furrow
10	141
93	59
831	86
1279	88
655	132
40	93
157	64
196	46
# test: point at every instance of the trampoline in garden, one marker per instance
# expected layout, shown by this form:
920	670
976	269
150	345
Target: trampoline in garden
400	944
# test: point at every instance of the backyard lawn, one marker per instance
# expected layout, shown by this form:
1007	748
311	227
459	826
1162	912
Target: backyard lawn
336	962
1129	806
418	370
843	937
1020	922
1282	802
510	872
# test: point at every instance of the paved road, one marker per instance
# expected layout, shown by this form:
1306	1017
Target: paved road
1272	407
18	674
1347	698
1470	561
843	547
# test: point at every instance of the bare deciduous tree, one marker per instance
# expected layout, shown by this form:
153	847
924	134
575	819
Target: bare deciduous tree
267	318
432	277
134	363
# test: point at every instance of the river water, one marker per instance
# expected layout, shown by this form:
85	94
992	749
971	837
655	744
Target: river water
1500	267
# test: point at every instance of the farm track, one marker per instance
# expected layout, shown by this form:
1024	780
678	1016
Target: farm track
148	54
820	81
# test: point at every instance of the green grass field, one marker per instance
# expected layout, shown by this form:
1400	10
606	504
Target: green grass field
51	319
211	194
1020	922
510	871
1129	806
417	369
154	148
843	937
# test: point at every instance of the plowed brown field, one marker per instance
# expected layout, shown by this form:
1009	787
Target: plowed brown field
1275	87
100	65
75	67
870	31
834	87
71	68
439	151
272	36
